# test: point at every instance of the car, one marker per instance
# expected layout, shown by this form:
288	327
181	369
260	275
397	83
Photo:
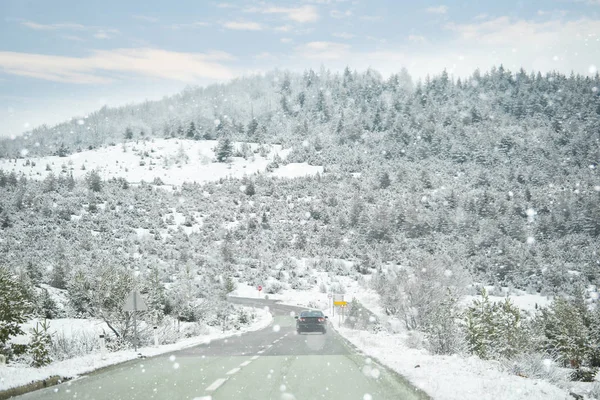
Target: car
311	321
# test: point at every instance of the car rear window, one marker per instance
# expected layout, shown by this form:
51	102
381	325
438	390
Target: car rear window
311	314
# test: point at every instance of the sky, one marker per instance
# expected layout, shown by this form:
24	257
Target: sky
61	58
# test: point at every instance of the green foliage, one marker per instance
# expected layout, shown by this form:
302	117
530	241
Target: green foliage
495	330
224	150
14	307
39	347
94	181
229	285
565	333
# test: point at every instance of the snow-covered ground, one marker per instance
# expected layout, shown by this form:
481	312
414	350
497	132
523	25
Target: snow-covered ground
174	161
16	375
450	377
67	327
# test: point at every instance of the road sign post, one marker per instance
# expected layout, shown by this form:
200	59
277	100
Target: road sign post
259	289
134	303
102	347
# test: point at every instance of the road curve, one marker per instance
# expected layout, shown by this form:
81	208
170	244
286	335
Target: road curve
271	364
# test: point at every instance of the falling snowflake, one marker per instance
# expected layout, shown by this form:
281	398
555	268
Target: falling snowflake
448	273
80	122
282	388
592	69
530	240
176	366
217	122
375	373
24	152
276	328
367	396
172	358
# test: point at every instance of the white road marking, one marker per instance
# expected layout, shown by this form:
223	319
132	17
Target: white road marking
255	357
245	363
233	371
216	384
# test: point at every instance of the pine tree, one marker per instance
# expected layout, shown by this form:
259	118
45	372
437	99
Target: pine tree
14	307
384	180
50	183
39	347
191	132
250	189
252	127
94	181
128	134
70	182
224	150
58	276
63	151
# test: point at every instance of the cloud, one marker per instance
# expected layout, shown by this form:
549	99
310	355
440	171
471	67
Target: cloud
283	28
300	14
264	56
340	14
52	27
344	35
145	18
371	18
323	50
73	38
417	38
192	25
285	40
437	10
106	33
243	26
102	66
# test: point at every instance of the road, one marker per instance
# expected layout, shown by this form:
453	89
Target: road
271	364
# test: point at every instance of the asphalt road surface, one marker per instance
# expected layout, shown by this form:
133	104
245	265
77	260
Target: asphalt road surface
271	364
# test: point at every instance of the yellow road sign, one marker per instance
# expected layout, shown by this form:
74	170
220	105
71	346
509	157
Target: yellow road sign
340	303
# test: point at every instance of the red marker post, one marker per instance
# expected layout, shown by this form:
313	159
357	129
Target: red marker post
259	290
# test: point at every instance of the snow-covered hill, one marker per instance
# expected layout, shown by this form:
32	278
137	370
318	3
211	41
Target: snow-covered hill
174	161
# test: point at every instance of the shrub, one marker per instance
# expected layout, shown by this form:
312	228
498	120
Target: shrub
274	287
39	347
495	330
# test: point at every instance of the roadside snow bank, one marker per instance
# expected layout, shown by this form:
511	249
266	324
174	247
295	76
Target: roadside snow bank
449	377
12	376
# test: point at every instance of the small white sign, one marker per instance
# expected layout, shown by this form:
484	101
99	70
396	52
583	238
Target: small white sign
135	302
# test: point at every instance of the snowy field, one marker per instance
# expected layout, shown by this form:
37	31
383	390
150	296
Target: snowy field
64	327
174	161
18	375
